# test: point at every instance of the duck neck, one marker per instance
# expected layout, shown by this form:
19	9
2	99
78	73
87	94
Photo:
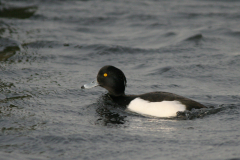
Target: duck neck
122	100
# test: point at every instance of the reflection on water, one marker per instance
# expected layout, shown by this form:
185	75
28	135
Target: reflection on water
153	124
106	117
109	113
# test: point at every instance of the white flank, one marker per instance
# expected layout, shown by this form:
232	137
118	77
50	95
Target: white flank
157	109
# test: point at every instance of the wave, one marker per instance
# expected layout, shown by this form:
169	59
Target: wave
7	11
195	37
8	48
110	49
201	113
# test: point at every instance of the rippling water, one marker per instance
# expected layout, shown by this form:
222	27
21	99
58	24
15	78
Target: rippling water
48	49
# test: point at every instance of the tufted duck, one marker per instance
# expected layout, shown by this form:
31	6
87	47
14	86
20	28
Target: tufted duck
158	104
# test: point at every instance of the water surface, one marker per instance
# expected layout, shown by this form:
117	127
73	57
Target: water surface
48	49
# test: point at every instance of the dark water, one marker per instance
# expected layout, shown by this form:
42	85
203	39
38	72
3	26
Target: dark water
48	49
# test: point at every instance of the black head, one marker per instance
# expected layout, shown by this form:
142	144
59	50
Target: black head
112	79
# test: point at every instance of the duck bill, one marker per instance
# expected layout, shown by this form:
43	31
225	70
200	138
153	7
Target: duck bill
92	84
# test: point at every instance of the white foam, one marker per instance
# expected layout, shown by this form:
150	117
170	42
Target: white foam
157	109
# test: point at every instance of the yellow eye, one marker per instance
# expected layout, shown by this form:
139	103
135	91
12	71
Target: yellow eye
105	74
